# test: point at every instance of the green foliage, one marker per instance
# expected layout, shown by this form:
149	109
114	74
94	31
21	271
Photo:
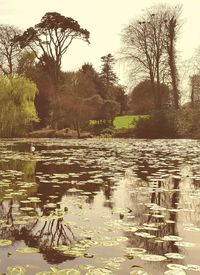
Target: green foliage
107	74
160	125
53	35
17	109
142	98
188	123
107	131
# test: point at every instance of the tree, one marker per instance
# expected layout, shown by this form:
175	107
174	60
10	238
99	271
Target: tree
142	101
172	29
75	104
26	63
117	93
17	109
9	51
110	109
35	71
195	89
92	74
107	74
148	43
53	36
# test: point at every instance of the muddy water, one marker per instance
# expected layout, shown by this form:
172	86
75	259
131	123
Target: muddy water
100	207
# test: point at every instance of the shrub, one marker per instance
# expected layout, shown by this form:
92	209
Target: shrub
107	131
161	124
188	123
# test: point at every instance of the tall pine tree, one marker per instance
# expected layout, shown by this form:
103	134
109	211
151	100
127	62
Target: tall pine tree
107	75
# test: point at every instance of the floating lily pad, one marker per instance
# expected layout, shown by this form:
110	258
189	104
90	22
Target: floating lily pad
16	270
98	271
176	266
185	244
137	270
134	251
174	256
44	273
193	267
28	250
175	272
69	271
26	209
171	238
152	258
5	242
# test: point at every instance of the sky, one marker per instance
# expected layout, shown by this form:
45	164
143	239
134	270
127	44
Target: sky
104	19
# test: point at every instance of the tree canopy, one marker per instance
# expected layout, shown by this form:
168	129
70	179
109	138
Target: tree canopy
17	109
9	52
51	38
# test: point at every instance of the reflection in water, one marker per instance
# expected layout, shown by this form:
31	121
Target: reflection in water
82	201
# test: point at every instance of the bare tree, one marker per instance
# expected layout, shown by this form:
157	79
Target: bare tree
9	51
149	45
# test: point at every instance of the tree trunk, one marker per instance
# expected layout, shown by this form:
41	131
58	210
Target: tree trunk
78	129
172	62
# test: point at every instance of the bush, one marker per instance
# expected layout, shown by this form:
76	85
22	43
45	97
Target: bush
161	124
188	122
107	131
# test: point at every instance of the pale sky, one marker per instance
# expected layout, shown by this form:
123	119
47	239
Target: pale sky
104	19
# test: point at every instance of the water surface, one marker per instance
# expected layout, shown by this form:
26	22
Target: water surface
100	206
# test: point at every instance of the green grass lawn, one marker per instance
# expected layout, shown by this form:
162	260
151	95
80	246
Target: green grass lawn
126	122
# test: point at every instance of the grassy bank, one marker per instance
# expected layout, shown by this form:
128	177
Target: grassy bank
126	122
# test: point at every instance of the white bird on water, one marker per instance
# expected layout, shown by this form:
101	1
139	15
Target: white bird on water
32	148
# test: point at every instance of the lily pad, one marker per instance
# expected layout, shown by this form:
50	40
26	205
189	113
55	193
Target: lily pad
16	270
175	272
28	250
152	258
171	238
174	256
185	244
176	266
193	267
5	242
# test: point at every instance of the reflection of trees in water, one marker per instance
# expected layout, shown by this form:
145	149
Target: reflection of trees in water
159	197
26	167
45	233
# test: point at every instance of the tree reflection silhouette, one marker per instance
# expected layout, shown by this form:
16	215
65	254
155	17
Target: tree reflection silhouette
154	218
46	235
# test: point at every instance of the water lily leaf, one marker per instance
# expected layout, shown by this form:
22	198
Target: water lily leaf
50	205
26	208
174	256
193	267
16	270
152	258
28	250
171	238
176	266
135	251
175	272
98	271
54	270
138	271
185	244
71	271
5	242
44	273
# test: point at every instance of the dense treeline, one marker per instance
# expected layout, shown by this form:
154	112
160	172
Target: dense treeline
35	93
64	99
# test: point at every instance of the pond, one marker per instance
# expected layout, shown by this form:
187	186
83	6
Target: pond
99	206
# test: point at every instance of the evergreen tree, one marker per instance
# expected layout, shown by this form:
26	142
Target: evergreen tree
107	75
